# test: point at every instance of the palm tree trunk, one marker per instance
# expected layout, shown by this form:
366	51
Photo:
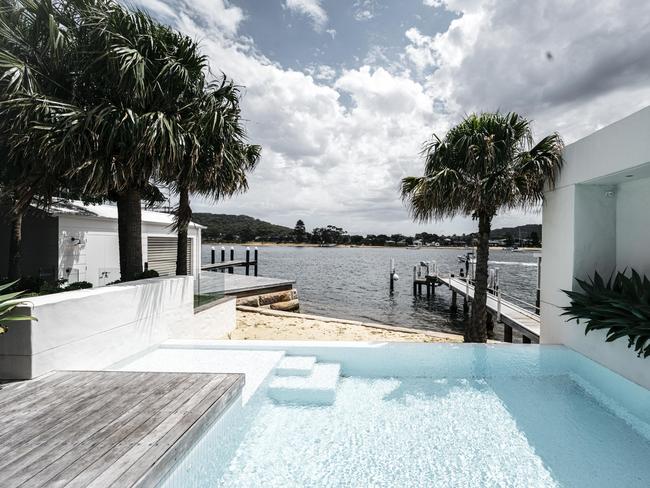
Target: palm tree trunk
129	227
14	270
183	216
477	329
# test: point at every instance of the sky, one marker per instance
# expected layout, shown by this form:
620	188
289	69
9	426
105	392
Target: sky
341	94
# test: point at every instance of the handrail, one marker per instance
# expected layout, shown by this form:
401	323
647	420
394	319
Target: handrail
531	314
520	301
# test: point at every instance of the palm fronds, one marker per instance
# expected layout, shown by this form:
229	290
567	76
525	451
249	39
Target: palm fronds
621	306
486	163
8	301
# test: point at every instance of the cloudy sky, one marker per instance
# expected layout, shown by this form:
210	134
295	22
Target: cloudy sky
342	93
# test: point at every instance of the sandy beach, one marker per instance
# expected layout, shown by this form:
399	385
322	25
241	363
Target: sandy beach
262	324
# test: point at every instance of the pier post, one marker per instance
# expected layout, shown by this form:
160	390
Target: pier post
507	333
454	300
256	259
232	258
539	279
415	283
248	260
392	275
223	254
213	255
498	305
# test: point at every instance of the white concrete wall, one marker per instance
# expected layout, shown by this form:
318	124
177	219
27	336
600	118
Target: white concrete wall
633	226
598	218
92	329
94	257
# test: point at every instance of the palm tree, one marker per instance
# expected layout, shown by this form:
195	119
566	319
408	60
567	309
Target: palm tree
36	56
217	160
119	119
485	164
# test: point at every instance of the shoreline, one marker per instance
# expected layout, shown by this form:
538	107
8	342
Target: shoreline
361	246
264	324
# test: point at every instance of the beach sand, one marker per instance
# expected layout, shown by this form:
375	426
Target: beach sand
263	324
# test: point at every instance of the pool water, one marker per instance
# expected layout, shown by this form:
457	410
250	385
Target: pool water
533	430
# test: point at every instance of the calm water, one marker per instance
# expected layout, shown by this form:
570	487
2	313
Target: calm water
352	283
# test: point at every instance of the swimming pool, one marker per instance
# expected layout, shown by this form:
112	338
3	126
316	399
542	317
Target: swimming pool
462	415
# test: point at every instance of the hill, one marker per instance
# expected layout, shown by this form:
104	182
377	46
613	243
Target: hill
514	232
223	227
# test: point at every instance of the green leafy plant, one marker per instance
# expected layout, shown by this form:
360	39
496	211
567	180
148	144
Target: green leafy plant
621	306
7	303
78	285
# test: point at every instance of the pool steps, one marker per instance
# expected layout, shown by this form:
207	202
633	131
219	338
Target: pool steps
295	366
315	385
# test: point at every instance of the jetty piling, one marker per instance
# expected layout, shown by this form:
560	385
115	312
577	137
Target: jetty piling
392	275
539	282
229	266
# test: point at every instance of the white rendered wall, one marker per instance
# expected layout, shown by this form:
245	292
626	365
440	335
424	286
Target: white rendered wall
92	329
597	219
633	226
215	322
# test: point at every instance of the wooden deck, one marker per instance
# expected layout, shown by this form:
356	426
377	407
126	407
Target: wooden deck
106	428
240	285
513	316
226	264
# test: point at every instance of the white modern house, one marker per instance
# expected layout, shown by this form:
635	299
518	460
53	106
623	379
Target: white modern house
598	218
79	242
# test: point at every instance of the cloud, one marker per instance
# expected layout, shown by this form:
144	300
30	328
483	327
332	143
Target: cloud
310	8
494	56
365	9
336	142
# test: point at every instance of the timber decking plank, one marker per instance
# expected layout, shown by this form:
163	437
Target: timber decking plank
44	427
134	446
40	447
44	398
15	389
122	428
163	465
107	462
180	422
87	451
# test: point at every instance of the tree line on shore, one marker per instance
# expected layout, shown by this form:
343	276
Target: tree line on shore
244	229
102	103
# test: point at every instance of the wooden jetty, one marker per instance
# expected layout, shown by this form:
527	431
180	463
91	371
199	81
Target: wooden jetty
106	428
232	263
218	279
512	316
242	285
